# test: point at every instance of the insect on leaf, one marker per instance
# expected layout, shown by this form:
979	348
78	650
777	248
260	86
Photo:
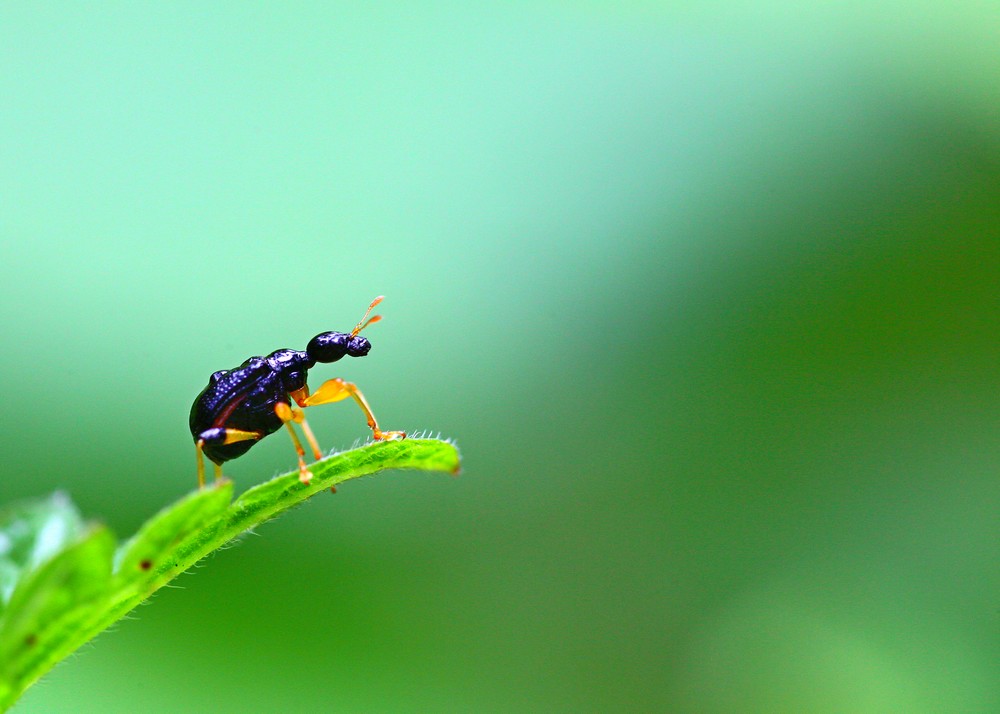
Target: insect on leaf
64	582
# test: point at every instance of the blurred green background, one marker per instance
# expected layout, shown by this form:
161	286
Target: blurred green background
707	293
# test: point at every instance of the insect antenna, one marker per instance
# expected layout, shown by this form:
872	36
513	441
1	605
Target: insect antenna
374	318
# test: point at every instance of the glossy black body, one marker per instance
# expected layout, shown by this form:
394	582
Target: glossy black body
244	397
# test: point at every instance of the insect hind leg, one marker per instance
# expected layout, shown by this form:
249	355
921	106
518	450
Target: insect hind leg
218	436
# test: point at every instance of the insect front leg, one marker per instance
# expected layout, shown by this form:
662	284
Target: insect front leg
334	390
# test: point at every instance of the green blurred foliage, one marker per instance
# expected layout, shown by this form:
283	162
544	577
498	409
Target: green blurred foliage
707	293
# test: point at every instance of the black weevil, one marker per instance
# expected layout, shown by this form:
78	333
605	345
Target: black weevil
240	406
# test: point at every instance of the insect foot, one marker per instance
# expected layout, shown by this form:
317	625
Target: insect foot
389	435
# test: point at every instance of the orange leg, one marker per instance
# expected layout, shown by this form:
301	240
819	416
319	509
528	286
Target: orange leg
310	437
229	436
334	390
299	418
289	415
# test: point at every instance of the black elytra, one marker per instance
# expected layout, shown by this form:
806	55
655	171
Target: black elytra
242	405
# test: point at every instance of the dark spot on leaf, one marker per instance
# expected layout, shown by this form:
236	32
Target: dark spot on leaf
31	640
146	564
333	489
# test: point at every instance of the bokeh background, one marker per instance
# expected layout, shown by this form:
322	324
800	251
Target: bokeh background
707	293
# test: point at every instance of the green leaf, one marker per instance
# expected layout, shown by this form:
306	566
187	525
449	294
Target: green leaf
50	604
66	583
142	559
31	533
